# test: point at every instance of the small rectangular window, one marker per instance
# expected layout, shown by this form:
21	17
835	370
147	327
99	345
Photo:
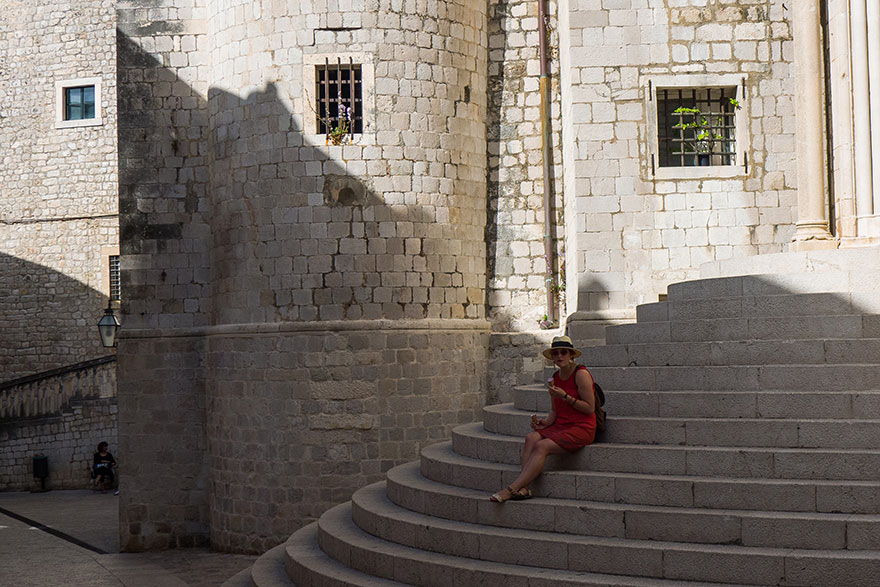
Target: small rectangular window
696	126
339	99
79	103
115	289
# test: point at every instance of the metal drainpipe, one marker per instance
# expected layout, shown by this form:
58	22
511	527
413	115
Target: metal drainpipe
549	253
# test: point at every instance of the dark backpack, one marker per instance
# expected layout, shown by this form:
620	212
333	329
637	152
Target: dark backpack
598	402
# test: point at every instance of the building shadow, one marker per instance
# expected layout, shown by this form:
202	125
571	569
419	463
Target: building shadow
239	239
49	319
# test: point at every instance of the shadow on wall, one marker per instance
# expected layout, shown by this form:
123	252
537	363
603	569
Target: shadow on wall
222	223
49	320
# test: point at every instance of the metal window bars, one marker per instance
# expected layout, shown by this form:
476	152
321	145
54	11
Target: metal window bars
696	126
115	287
339	92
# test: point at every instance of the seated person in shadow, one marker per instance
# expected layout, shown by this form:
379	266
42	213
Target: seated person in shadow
570	425
103	464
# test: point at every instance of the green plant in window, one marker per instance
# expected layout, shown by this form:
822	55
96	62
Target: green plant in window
699	131
338	134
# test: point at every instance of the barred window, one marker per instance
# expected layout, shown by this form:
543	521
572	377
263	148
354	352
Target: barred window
696	126
339	99
115	289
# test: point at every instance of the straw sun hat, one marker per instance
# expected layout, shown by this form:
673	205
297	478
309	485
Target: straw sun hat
561	342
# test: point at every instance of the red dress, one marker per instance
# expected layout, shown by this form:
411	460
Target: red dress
572	429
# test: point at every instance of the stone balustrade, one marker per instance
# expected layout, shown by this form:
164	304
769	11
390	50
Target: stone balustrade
49	393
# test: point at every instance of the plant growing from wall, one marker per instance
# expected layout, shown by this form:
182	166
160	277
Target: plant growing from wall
338	133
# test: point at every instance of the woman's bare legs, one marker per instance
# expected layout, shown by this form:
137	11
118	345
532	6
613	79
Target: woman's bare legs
535	454
531	441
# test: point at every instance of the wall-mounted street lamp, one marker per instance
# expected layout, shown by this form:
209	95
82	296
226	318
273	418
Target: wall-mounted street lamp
107	327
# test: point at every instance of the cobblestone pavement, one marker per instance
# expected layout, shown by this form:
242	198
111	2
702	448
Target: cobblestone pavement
57	539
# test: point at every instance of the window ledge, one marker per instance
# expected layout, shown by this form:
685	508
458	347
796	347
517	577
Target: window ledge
700	172
79	123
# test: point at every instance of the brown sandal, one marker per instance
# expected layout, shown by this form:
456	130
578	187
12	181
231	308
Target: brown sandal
522	494
497	498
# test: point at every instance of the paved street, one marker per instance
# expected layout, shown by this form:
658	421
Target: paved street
56	539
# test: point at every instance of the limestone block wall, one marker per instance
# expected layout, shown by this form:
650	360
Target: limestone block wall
58	186
68	440
166	271
299	419
316	407
633	227
516	264
411	242
304	315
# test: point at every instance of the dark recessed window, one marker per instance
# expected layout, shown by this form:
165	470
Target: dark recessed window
115	289
79	103
339	96
696	126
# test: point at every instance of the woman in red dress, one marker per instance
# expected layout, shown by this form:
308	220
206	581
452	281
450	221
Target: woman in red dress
570	425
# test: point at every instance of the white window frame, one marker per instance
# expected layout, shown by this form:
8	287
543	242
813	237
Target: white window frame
699	81
61	86
368	97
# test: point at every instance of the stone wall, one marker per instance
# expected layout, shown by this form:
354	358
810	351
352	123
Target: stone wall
632	227
165	243
68	440
298	420
62	414
58	186
303	315
516	263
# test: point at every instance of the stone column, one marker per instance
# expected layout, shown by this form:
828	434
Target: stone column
862	108
812	223
873	38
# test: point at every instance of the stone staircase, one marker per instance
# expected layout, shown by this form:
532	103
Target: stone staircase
743	447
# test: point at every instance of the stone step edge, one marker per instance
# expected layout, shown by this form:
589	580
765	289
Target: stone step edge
647	559
269	571
476	430
826	351
474	505
302	554
508	408
438	459
337	531
541	389
240	579
840	281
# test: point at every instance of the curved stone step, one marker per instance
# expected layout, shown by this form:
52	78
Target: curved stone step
269	571
736	352
788	304
801	282
441	464
308	565
761	432
772	463
861	259
408	489
240	579
839	377
720	404
760	328
340	537
343	540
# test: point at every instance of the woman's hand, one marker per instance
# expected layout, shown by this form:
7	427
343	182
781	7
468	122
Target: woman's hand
557	392
537	422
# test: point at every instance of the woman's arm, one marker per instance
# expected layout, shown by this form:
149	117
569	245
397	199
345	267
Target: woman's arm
584	382
543	422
